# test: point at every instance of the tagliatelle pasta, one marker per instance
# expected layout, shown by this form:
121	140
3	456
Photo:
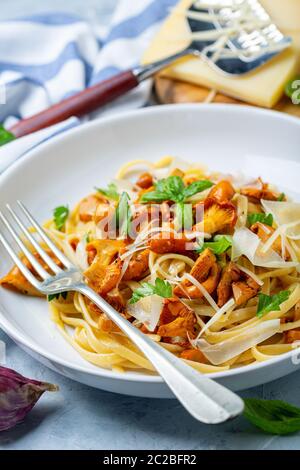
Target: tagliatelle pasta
193	259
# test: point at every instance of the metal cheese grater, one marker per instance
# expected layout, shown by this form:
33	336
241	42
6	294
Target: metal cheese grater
257	41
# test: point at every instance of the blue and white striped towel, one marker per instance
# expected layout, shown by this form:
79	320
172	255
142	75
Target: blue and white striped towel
46	58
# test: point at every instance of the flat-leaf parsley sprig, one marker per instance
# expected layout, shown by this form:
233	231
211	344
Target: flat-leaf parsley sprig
174	189
161	288
60	215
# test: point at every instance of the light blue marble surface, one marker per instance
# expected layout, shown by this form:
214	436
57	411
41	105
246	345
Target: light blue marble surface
78	417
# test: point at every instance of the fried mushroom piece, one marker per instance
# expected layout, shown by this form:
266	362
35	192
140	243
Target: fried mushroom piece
206	271
176	320
118	298
145	181
171	244
15	280
104	273
256	194
218	216
264	232
222	191
137	266
88	206
193	355
291	336
231	273
235	282
103	278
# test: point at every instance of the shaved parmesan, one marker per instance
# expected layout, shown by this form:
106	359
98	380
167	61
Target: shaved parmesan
216	317
129	253
147	311
201	310
251	274
286	216
230	348
271	240
242	209
247	243
138	245
202	289
81	254
279	232
145	233
123	185
124	267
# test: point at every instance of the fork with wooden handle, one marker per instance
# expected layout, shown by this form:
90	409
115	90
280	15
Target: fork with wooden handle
204	399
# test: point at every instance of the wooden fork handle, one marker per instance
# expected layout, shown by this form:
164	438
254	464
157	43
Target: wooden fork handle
78	105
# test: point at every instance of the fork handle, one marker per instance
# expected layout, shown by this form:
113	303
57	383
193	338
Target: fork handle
206	400
93	97
79	104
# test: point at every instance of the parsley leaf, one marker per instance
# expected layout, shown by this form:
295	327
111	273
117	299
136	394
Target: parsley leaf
56	296
220	244
161	288
88	237
281	197
5	136
174	186
111	192
263	218
173	189
123	215
270	303
272	416
197	187
170	188
154	196
60	215
291	88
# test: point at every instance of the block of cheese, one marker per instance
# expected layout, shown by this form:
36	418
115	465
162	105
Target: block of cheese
296	45
263	87
285	13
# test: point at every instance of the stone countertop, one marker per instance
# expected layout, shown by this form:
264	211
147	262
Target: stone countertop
79	417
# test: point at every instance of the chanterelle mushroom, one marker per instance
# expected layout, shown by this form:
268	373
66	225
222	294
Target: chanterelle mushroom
255	194
235	282
264	232
222	191
218	217
206	271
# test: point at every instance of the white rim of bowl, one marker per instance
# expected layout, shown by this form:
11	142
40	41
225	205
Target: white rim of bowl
18	337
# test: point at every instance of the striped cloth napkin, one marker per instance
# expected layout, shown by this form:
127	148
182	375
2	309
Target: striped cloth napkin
46	58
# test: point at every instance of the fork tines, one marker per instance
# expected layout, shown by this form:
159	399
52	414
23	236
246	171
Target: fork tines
26	234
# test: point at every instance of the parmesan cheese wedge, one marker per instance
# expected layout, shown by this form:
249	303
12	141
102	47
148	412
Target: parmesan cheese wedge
285	13
263	87
286	215
296	43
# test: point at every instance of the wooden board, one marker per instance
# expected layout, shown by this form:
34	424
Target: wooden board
172	91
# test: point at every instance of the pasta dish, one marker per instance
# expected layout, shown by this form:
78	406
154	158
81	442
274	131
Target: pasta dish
204	263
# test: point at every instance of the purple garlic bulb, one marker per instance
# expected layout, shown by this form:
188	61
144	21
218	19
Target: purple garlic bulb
18	395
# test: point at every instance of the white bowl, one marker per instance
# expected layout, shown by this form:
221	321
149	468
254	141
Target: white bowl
227	138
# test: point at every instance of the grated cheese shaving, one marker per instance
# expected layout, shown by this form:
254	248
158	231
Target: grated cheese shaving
202	289
217	316
251	274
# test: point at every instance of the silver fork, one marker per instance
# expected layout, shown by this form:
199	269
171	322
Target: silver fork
204	399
